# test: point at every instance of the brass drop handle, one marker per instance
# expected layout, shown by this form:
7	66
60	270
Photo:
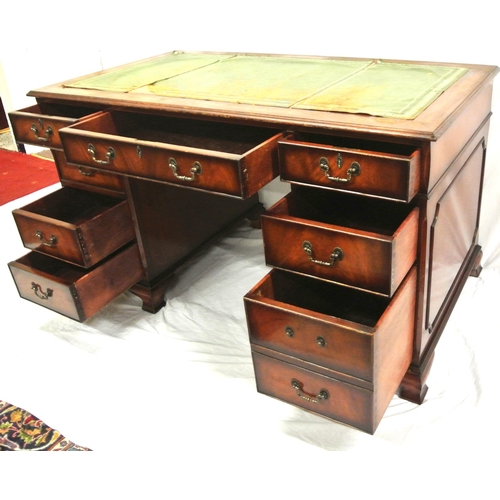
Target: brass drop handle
86	171
298	386
195	170
110	155
336	256
40	293
353	171
48	132
51	242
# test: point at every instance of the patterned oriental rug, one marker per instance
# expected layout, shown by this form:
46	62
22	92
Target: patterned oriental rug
21	431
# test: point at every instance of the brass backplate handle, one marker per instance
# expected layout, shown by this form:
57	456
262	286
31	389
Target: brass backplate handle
195	170
40	293
47	134
51	242
322	395
336	256
110	155
353	171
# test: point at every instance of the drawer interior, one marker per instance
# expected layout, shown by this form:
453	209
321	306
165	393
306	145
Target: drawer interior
53	269
358	212
355	144
62	110
323	297
212	136
73	206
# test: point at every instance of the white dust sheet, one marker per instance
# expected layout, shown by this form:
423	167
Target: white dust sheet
130	381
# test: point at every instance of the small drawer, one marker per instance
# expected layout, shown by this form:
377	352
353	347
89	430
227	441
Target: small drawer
41	128
71	290
368	167
341	329
227	159
86	177
316	337
360	242
76	226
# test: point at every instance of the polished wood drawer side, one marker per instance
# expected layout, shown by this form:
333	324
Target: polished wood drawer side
76	226
360	242
226	159
366	167
33	126
72	291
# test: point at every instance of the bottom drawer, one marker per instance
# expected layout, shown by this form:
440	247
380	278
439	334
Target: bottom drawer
73	291
325	396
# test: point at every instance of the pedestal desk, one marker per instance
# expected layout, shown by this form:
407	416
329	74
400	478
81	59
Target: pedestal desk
369	250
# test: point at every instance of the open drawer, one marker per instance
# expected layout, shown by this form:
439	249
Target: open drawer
227	159
309	336
361	242
381	169
75	225
38	127
72	291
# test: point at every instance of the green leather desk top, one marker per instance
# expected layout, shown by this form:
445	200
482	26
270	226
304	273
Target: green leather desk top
372	87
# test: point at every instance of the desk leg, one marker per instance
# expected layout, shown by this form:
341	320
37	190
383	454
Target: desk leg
152	296
413	387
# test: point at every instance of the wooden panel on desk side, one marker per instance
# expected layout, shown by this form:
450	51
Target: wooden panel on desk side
173	222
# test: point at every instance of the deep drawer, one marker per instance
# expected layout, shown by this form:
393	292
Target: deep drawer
87	178
228	159
341	329
368	167
317	339
73	291
361	242
325	396
76	226
41	128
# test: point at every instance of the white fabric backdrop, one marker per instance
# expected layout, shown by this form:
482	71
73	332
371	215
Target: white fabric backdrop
127	379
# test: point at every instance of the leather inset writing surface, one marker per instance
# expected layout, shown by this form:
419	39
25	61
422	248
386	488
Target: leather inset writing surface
377	88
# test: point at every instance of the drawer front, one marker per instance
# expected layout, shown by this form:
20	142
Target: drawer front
72	291
340	329
76	226
86	177
317	393
385	174
235	161
365	259
32	126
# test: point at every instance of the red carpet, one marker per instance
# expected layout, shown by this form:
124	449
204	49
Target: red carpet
22	174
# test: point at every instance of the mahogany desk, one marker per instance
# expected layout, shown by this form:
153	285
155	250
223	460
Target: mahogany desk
369	251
